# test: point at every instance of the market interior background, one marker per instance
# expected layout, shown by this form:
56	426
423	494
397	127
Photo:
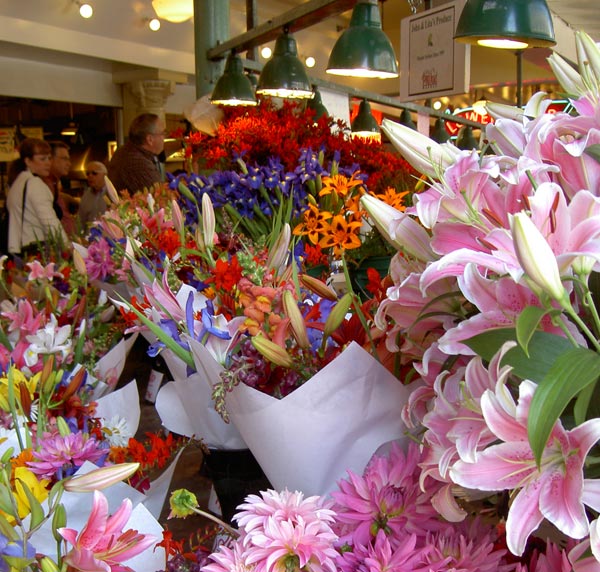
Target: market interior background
58	68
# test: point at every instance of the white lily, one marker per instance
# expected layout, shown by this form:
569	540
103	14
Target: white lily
568	77
278	254
208	221
424	154
111	191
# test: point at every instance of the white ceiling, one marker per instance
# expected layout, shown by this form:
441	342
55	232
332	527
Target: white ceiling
45	30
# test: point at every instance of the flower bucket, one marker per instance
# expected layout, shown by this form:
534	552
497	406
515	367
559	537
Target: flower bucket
334	422
359	275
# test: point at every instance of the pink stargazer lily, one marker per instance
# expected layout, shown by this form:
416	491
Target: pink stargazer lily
102	545
555	491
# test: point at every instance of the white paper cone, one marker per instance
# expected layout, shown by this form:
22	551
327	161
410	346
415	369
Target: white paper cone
124	403
334	422
110	366
186	407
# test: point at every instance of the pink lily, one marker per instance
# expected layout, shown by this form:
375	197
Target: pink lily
102	545
555	491
39	272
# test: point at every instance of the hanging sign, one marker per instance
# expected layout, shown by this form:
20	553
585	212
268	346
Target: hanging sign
432	64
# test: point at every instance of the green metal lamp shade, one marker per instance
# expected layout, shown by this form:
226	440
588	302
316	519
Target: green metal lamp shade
407	120
466	140
284	74
511	24
364	124
316	104
233	87
439	133
364	50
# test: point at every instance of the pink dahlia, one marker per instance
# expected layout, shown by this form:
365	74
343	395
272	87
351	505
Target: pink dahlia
285	531
387	497
466	547
59	456
98	262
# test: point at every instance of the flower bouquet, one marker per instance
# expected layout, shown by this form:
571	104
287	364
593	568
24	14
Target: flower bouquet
498	271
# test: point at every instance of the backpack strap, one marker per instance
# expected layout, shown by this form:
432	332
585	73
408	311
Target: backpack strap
23	212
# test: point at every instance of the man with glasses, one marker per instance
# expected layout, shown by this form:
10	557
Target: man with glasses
135	165
93	201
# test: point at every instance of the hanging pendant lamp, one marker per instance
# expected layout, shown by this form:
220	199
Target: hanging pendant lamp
175	11
510	24
233	87
316	104
465	139
439	133
364	50
407	120
284	74
365	125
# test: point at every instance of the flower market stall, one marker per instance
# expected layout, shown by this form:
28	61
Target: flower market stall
441	417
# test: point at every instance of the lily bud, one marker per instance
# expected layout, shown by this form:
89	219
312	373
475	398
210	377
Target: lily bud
177	216
398	228
337	315
208	221
79	261
296	319
272	351
536	258
59	520
567	76
588	56
317	286
111	191
48	565
279	252
62	426
424	154
101	478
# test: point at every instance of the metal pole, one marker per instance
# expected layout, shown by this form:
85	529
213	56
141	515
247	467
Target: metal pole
211	27
519	54
251	23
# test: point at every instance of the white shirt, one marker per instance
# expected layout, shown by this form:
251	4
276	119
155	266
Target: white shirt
39	219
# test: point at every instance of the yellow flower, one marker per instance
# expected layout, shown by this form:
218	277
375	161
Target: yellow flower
23	477
18	378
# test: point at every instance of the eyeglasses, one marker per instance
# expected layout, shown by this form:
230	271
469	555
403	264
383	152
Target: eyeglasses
42	156
88	173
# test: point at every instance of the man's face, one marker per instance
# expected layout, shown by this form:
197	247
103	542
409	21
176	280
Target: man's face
60	165
155	141
95	178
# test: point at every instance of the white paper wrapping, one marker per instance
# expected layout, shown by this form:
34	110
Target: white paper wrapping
334	422
186	407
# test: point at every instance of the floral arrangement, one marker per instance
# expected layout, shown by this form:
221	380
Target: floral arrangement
493	302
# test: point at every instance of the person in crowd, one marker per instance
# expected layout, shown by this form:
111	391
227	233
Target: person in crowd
32	218
60	166
136	164
93	201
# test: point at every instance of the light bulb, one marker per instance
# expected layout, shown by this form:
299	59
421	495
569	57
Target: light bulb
310	62
86	11
266	52
154	24
437	105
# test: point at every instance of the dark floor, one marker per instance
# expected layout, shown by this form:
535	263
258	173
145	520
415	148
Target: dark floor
234	475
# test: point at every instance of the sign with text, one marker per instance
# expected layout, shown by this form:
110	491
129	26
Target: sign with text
432	64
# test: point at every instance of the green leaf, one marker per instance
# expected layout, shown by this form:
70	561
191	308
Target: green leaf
571	372
593	151
543	348
582	404
8	529
527	323
6	504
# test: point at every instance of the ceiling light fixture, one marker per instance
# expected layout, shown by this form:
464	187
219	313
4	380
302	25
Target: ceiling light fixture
154	24
284	74
310	62
439	133
85	10
365	125
233	87
70	130
266	52
363	50
175	11
407	120
507	24
465	139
